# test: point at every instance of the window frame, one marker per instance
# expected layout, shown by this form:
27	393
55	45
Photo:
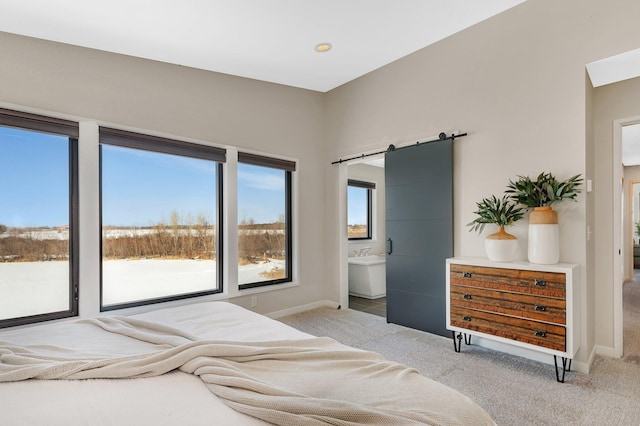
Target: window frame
369	186
55	126
127	139
288	167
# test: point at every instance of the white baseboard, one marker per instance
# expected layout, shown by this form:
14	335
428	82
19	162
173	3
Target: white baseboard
604	351
303	308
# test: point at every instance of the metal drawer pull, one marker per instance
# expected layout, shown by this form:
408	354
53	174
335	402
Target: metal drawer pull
540	283
467	296
466	274
540	333
541	308
466	318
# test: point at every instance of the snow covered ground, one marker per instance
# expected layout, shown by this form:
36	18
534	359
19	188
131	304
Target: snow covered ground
130	280
29	288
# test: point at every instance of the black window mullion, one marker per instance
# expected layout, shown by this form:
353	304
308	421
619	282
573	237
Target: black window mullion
220	231
369	212
289	227
74	228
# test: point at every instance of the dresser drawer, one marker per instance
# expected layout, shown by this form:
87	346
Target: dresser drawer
536	333
551	284
516	304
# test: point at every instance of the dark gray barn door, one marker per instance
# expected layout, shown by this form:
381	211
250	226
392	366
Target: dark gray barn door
419	226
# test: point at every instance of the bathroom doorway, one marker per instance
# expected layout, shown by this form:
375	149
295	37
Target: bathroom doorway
630	153
366	236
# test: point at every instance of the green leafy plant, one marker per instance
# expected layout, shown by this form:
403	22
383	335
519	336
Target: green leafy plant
636	224
543	191
499	211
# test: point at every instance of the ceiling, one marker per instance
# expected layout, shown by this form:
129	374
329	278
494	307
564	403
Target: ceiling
269	40
615	68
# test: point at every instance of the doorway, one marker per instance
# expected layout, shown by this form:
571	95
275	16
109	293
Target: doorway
366	234
626	168
632	226
631	286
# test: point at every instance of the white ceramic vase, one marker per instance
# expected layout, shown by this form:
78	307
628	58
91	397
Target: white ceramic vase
544	237
501	246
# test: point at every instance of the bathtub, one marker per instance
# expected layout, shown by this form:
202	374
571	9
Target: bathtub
367	277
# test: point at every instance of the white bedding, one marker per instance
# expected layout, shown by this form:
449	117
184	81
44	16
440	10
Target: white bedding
334	375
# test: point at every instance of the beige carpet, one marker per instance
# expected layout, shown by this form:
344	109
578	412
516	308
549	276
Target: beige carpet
514	390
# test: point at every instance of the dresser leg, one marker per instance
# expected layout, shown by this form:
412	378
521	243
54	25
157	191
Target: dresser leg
457	341
565	367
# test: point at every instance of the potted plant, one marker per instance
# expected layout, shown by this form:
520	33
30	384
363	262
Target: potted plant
539	195
500	246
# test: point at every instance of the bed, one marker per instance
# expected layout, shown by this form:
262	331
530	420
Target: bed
209	363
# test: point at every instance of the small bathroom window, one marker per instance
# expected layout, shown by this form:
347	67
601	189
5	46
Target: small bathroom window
359	209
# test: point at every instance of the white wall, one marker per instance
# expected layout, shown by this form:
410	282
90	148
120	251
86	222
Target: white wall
516	83
368	173
100	88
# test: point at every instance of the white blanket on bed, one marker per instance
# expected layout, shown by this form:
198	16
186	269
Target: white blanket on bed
287	382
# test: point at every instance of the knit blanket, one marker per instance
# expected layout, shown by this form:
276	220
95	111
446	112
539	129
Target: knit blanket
309	381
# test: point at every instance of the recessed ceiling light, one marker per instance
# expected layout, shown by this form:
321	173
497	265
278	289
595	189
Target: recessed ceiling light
323	47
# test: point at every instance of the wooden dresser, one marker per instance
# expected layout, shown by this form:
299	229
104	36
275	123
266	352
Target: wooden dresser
531	306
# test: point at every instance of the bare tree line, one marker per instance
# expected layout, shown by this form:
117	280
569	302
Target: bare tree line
21	249
356	231
191	240
175	240
261	241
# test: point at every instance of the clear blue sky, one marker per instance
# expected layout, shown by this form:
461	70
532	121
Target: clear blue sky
261	193
34	184
143	188
138	188
357	205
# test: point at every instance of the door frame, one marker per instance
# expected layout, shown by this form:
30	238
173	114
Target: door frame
343	246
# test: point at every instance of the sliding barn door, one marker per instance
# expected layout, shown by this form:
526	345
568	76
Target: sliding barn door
419	226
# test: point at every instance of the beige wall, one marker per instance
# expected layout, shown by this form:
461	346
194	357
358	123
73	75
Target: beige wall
186	103
373	174
516	84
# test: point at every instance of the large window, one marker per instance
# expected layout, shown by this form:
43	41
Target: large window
38	218
160	219
359	209
264	220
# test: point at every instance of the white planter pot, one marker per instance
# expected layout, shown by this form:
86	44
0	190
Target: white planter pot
501	246
544	244
501	250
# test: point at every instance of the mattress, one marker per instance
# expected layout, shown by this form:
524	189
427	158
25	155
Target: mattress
195	394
